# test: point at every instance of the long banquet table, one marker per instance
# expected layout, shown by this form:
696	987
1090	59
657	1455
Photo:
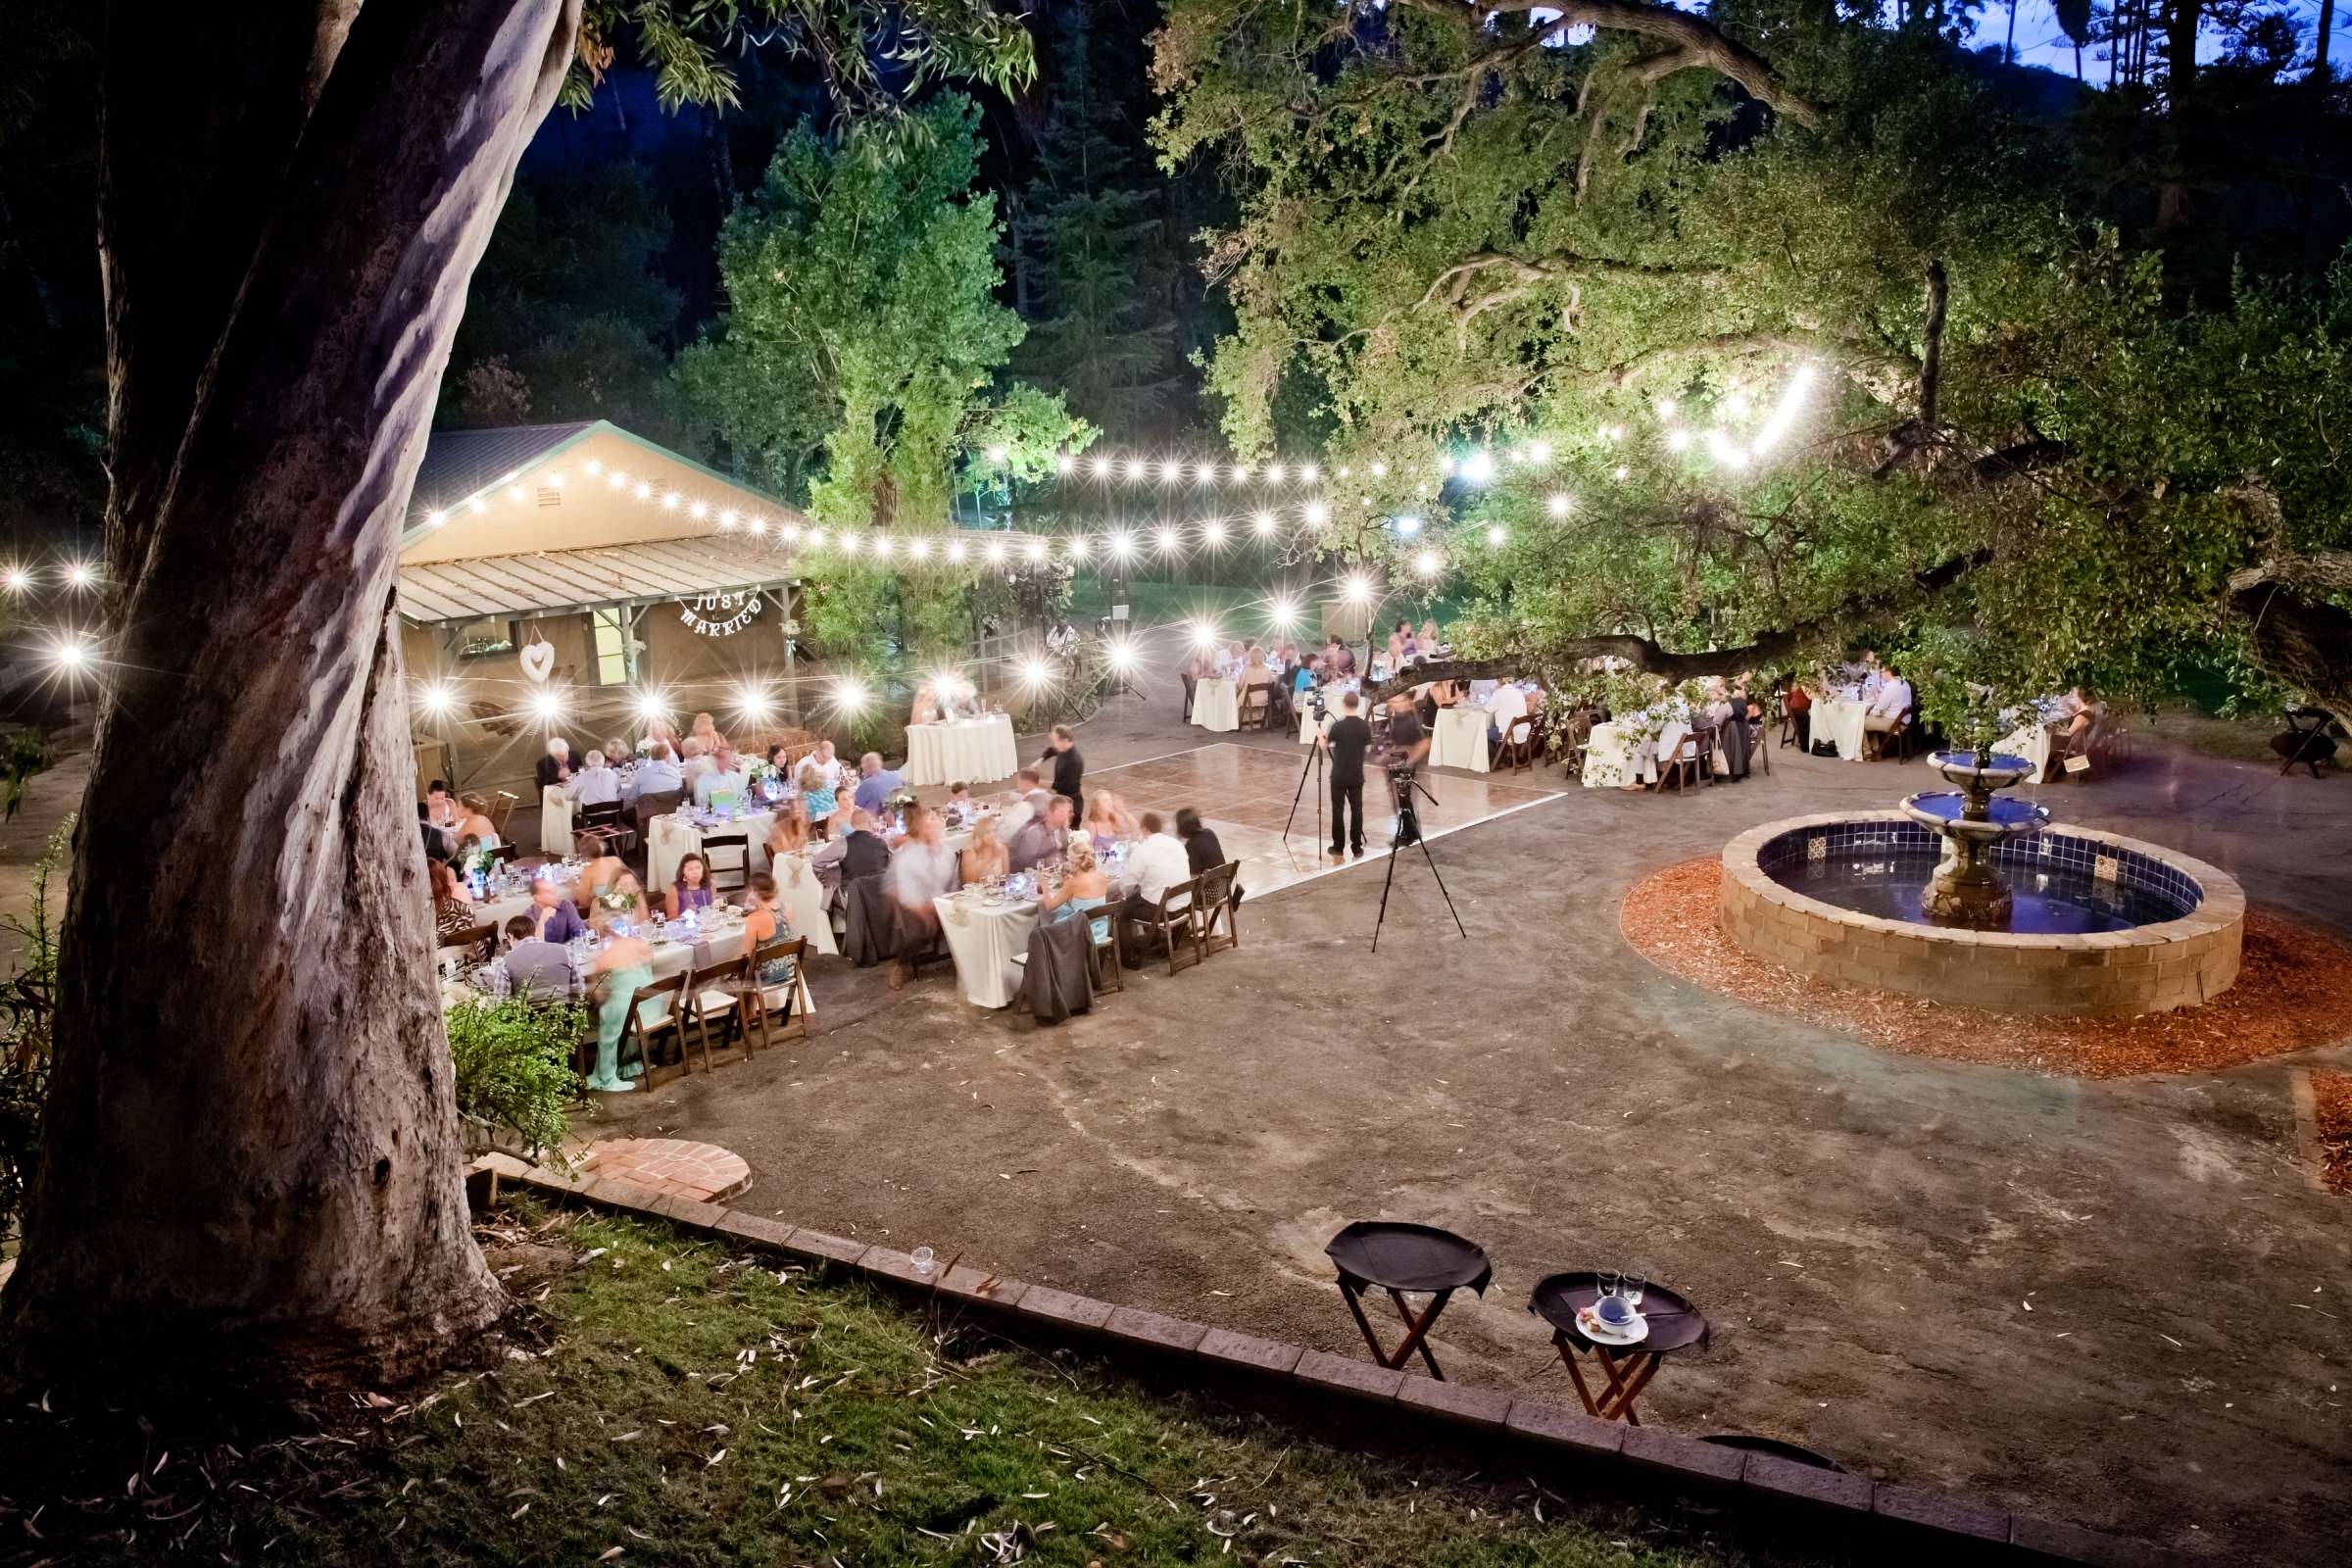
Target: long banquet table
1613	750
1217	706
974	750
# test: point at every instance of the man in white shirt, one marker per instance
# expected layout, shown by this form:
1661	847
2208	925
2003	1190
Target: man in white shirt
595	784
923	868
725	773
1155	864
1887	707
693	764
1504	708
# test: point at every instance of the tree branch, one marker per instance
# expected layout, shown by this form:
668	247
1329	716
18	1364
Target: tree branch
1698	43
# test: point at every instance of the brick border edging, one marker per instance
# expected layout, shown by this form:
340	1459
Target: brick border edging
1945	1522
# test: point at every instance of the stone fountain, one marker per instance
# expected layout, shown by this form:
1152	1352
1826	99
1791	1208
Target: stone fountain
1965	890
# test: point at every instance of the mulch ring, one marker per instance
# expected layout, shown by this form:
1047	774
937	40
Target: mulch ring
2332	1098
2286	997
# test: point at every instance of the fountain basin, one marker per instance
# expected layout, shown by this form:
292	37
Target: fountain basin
2112	926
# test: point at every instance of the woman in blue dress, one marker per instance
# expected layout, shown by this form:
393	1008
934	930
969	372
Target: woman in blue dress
1084	889
623	962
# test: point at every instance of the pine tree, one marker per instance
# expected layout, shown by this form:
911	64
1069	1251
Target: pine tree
1095	249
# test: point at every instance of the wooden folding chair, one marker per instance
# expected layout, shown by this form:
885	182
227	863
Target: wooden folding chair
1216	910
727	861
473	944
1520	745
1258	703
792	999
603	829
717	991
668	1025
1173	917
1109	973
1682	767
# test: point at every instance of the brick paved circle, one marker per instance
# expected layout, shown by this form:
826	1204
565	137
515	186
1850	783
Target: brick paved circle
674	1166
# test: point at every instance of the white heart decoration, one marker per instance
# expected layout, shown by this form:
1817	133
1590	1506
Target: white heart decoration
539	660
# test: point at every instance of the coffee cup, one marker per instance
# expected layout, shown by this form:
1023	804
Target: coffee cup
1613	1312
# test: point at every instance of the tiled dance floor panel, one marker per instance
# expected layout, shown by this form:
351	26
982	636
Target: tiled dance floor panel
1246	794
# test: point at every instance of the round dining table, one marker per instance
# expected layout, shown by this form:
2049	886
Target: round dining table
1217	706
1460	738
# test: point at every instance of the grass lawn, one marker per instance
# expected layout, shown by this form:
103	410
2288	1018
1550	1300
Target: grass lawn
661	1402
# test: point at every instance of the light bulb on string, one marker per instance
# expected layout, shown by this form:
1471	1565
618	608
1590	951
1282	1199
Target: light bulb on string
435	698
1408	526
995	551
1079	548
956	550
919	548
1064	463
1380	471
652	704
1494	534
1426	563
1678	440
1478	466
1122	545
1559	506
1317	514
1263	523
1214	534
549	705
1169	541
1541	452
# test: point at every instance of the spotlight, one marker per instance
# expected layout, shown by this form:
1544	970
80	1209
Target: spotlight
1559	506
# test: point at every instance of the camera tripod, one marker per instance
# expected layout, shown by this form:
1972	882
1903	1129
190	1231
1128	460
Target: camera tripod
1314	764
1408	832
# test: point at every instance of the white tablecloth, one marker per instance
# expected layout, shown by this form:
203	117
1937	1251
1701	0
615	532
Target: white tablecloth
1839	718
2032	743
555	821
974	750
1217	706
1333	712
1460	740
802	897
1614	754
984	939
668	839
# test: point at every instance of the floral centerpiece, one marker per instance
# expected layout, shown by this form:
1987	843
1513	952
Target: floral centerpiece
900	801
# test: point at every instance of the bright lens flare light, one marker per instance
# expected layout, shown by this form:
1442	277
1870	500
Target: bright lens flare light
1426	563
1358	589
1478	466
1169	541
848	696
1408	526
652	706
71	654
1035	673
1203	634
1121	655
17	580
1559	506
1496	535
1283	614
548	706
81	575
751	702
1263	523
436	699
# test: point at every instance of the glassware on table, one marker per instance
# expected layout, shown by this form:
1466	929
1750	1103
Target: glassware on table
1608	1279
925	1261
1630	1285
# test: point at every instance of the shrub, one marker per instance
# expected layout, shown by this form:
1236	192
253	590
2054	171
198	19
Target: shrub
513	1061
28	1003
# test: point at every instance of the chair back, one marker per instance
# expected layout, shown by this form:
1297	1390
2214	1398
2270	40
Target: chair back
659	803
869	935
793	947
475	943
501	855
727	861
654	1006
1258	702
503	808
589	819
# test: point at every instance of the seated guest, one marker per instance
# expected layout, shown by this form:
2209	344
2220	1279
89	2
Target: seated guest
985	856
596	878
1084	890
1202	851
1229	666
959	797
1336	660
1154	866
594	784
859	853
788	834
764	921
706	730
2082	713
441	809
556	767
1799	703
1887	707
436	842
692	890
692	762
657	773
659	732
1109	821
617	751
875	784
724	776
922	869
1504	708
536	966
1043	837
553	916
1427	642
475	822
1030	785
453	906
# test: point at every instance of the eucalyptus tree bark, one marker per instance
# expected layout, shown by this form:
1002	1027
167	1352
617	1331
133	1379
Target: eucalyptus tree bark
251	1168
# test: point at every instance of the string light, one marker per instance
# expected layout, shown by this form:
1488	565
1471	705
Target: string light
1167	541
549	705
848	696
1494	534
1559	506
71	654
1678	440
1478	466
652	706
1214	534
751	702
1408	526
1666	408
81	575
1263	523
1426	563
1541	452
435	698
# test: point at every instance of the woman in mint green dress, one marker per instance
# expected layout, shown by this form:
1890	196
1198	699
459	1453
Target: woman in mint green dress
625	962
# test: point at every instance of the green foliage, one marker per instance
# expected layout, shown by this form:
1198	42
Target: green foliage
1449	234
511	1057
863	328
27	753
686	41
27	1005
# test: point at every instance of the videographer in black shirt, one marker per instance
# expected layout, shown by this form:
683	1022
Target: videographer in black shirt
1408	744
1349	738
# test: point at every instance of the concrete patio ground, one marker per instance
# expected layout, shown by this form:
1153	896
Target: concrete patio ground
2124	1303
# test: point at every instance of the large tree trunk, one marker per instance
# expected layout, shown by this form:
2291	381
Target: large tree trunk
251	1169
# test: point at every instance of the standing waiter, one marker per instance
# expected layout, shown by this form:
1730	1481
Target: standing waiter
1347	741
1069	769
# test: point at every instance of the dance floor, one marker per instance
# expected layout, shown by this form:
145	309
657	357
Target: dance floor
1244	794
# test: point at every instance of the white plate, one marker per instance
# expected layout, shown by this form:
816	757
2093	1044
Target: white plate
1600	1333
